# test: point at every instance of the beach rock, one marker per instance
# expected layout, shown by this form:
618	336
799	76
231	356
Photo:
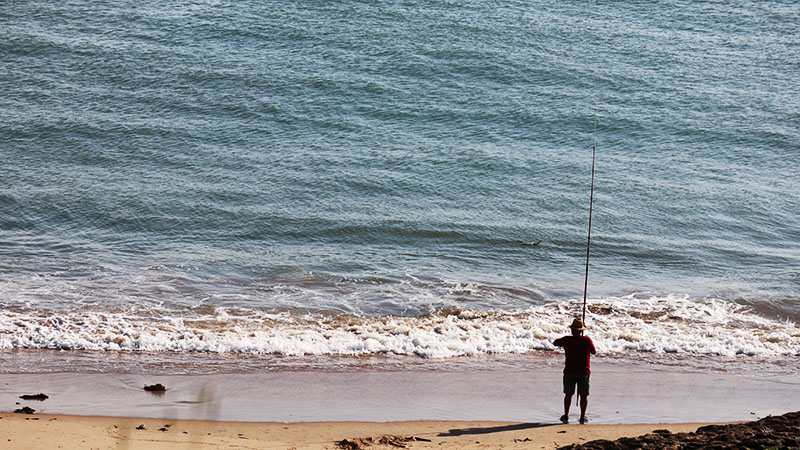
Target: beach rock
25	410
155	388
141	427
777	432
41	397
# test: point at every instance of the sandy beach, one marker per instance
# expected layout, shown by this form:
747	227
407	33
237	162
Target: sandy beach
457	406
20	431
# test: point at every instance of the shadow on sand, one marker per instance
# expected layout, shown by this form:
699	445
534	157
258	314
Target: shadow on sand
500	429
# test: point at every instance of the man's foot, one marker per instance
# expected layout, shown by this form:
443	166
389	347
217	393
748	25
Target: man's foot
564	419
583	420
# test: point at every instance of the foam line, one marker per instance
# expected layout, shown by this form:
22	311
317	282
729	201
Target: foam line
617	325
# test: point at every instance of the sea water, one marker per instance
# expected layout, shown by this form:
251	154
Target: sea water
398	179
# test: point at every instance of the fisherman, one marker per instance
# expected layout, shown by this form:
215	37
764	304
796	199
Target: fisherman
578	350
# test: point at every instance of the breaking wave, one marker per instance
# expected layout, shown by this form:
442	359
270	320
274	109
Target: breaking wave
618	325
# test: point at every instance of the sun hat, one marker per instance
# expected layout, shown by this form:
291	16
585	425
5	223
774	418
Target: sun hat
577	324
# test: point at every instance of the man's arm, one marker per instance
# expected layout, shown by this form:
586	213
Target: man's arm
559	342
592	350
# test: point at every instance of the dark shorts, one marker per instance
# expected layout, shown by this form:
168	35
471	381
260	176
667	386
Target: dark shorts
571	380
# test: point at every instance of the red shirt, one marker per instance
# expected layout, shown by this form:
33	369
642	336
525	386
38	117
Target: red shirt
577	350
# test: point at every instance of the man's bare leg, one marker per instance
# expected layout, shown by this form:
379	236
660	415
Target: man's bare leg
584	404
567	403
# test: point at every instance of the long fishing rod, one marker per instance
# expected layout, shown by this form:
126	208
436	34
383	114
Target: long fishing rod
589	236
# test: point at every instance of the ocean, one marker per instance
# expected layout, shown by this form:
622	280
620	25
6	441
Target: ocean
204	184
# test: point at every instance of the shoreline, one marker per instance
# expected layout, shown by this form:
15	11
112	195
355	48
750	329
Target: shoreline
67	431
621	394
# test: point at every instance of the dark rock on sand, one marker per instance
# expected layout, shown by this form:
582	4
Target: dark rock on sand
25	410
155	387
779	432
41	397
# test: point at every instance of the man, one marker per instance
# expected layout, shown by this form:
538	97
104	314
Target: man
578	350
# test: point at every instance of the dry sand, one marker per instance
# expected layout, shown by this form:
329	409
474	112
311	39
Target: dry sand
21	431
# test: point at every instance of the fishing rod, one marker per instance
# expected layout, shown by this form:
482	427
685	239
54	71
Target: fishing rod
589	236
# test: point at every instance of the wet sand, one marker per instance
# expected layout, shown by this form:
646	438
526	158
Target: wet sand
622	393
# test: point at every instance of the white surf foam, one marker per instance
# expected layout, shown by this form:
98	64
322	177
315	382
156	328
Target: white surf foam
617	325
